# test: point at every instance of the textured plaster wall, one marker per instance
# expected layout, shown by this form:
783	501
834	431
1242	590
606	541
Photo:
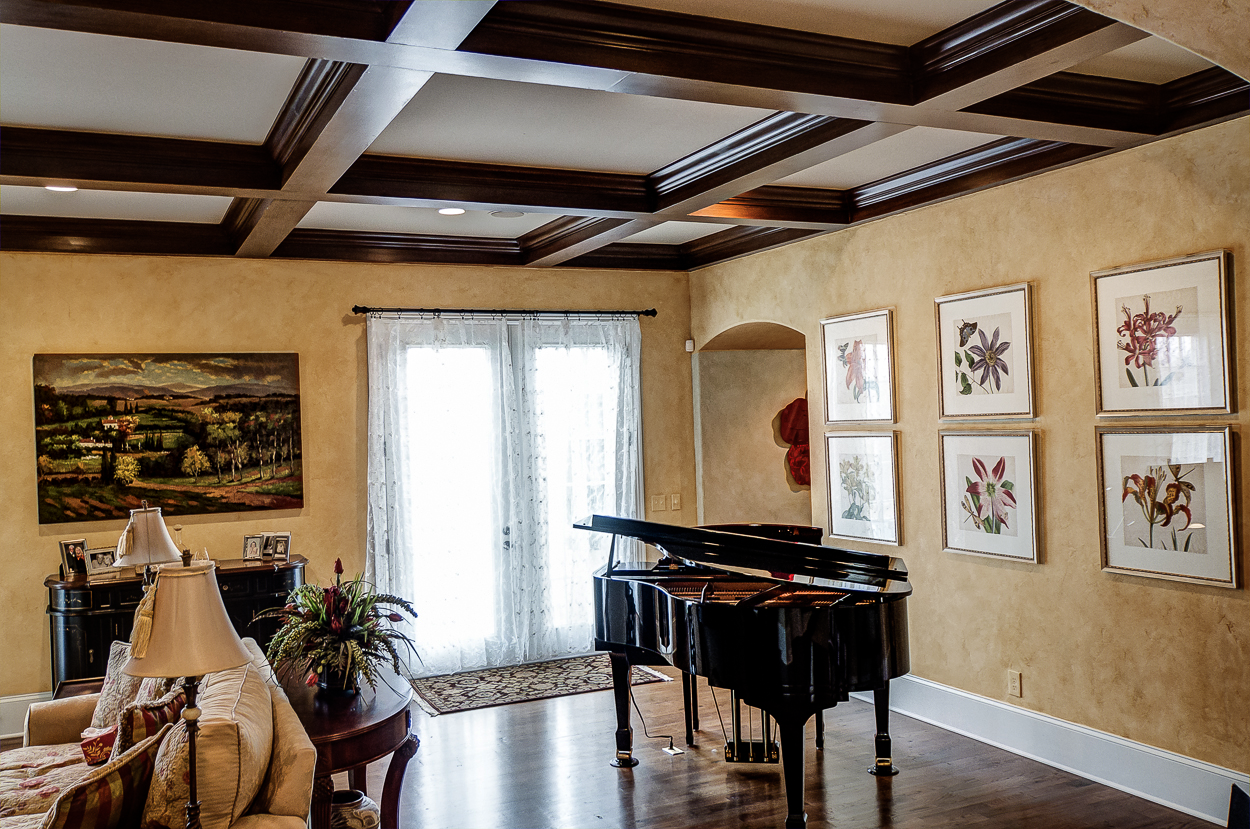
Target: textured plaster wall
1218	31
1164	663
92	304
743	459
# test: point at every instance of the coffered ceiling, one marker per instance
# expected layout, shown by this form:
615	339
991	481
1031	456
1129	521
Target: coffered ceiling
653	134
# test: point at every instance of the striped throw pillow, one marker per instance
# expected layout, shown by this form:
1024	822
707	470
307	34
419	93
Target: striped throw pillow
113	795
140	720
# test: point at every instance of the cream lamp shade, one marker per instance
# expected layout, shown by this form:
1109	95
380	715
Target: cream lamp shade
191	633
145	540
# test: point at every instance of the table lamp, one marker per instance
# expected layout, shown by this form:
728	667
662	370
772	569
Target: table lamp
190	635
145	543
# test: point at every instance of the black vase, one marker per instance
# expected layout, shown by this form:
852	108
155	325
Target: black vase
335	683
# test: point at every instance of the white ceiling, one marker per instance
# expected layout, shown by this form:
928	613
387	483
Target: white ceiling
1151	60
70	80
112	204
902	151
674	233
426	220
544	126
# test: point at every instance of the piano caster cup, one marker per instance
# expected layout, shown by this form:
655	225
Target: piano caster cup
884	766
624	760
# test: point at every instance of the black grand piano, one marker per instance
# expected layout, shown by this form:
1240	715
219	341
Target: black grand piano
791	627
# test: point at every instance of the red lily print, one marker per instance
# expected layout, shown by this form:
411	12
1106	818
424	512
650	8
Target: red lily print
1143	333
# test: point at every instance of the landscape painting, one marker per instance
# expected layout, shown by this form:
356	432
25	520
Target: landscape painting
189	433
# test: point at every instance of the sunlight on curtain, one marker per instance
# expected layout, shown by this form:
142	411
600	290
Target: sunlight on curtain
488	439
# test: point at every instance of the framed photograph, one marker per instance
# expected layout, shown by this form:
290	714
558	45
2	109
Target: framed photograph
100	563
985	353
863	486
74	557
1161	336
1167	503
281	546
858	361
253	546
989	494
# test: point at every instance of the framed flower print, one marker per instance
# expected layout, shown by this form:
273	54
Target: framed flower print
863	486
1161	336
858	361
989	494
1167	503
985	353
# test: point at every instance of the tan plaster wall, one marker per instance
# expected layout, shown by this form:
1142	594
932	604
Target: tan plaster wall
66	303
1160	662
1218	32
742	458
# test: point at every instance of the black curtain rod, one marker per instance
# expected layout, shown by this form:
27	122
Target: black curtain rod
363	309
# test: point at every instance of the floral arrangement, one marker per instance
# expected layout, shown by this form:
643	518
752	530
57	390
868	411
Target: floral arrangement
344	629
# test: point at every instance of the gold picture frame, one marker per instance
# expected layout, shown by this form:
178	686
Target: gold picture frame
985	353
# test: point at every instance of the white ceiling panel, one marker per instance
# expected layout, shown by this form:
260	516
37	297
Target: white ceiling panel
901	22
1151	60
70	80
674	233
112	204
502	122
899	152
391	219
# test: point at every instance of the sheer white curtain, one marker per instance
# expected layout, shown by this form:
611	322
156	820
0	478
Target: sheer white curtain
488	438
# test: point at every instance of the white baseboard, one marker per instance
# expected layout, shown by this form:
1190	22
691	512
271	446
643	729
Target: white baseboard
1182	783
13	712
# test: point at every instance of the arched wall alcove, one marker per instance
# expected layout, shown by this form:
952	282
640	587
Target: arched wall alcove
743	378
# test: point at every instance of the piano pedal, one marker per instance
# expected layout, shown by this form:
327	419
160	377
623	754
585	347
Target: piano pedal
753	751
672	749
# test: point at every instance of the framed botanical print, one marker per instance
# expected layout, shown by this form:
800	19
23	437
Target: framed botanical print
989	494
858	361
863	486
1167	503
985	353
1161	336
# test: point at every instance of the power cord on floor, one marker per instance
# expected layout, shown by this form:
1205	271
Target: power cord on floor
672	749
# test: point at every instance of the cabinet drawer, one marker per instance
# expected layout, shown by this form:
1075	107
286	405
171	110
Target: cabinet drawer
71	600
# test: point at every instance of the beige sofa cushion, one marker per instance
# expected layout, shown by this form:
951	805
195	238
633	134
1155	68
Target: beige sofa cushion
119	689
232	753
288	786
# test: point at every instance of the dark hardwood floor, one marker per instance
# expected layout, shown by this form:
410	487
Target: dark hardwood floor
545	764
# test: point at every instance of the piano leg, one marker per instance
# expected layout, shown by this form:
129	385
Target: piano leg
793	746
620	690
689	703
884	767
820	729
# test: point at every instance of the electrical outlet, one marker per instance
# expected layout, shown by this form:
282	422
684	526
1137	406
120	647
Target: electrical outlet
675	500
658	503
1013	684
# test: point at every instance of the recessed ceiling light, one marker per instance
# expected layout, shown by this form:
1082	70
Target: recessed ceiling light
60	188
507	214
451	211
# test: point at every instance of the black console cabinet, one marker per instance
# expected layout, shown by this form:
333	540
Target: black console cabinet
85	617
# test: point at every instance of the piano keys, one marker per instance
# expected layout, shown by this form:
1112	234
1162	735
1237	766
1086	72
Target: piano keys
791	627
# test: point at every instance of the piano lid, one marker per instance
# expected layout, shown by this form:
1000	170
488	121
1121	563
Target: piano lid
780	561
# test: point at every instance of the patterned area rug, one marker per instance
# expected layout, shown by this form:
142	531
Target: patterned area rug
521	683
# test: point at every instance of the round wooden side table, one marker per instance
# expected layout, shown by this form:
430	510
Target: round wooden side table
351	732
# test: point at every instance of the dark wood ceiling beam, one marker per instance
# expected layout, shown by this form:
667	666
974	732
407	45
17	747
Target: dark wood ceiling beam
997	163
740	241
632	256
563	239
782	144
61	235
358	246
813	208
1202	98
1011	44
338	110
32	156
388	179
621	49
